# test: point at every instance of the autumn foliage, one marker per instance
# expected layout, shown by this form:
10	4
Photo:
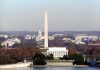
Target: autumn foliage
17	54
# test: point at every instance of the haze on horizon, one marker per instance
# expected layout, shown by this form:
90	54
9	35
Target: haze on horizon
63	15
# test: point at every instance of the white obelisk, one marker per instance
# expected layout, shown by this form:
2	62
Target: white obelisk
46	31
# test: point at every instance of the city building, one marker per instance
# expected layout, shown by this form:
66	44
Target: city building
94	43
29	37
39	36
83	39
58	34
51	37
89	37
57	51
4	36
10	42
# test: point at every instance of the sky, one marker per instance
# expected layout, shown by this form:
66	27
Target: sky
63	15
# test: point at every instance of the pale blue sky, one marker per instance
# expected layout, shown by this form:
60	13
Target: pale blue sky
63	15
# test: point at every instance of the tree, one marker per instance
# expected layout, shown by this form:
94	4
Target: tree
65	57
39	59
78	59
6	58
15	55
50	57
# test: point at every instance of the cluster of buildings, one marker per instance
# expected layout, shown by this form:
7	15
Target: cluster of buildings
10	42
56	51
42	39
39	37
83	39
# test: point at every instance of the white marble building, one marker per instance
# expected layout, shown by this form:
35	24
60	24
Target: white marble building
90	37
10	42
29	37
5	36
39	36
51	37
57	51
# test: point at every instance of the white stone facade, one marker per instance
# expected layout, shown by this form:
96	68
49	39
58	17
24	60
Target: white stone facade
57	51
29	37
51	37
5	36
10	42
80	37
39	36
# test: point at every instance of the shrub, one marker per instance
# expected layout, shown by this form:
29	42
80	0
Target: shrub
39	59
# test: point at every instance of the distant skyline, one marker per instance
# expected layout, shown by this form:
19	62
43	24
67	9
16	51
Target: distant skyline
63	15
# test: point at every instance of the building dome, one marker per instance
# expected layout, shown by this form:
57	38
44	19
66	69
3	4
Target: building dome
39	35
39	32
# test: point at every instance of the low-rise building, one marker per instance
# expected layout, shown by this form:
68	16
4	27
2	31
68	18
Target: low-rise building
57	51
89	37
5	36
51	37
29	37
10	42
56	35
94	43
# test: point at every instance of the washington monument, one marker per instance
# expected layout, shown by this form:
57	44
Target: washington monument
46	30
